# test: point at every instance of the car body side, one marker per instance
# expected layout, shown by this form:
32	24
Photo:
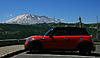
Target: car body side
60	43
63	42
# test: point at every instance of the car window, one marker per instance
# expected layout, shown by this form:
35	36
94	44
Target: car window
49	32
59	33
78	32
67	31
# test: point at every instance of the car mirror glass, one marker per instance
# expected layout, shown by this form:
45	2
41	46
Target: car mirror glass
42	38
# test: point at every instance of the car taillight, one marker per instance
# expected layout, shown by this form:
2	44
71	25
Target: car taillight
92	39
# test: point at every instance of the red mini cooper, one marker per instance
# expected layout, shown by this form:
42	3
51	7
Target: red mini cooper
63	39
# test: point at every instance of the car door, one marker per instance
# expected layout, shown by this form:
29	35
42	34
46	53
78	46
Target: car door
62	40
71	41
55	39
48	43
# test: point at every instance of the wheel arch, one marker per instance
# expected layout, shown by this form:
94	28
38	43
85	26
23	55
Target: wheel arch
34	42
82	43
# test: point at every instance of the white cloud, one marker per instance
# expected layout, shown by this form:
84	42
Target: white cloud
11	15
62	19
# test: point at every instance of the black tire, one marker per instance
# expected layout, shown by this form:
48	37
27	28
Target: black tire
85	48
84	52
35	47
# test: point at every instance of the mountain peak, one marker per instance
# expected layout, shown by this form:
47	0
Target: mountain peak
30	19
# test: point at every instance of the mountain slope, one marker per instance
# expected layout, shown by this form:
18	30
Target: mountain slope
30	19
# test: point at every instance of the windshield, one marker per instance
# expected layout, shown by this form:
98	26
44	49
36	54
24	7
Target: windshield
48	32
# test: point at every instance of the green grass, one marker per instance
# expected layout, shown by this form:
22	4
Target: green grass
97	43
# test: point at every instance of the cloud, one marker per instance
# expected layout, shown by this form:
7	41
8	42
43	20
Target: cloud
11	15
62	19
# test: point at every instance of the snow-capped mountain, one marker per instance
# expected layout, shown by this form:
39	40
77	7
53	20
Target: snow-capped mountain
30	19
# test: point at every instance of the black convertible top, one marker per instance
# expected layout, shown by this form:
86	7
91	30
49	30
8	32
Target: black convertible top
68	28
73	30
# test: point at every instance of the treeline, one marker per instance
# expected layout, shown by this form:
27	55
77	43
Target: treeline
16	31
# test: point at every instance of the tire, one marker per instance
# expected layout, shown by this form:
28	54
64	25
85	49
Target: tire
84	52
85	48
35	47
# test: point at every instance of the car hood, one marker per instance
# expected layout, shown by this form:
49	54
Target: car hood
37	37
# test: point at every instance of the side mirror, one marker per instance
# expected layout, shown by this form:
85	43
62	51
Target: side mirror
51	37
42	38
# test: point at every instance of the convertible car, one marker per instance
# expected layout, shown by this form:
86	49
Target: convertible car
62	39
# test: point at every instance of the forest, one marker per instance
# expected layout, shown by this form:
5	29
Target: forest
17	31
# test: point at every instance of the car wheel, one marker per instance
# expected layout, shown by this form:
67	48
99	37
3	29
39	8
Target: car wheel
34	51
84	52
85	49
34	48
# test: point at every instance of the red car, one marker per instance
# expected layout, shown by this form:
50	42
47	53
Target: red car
63	39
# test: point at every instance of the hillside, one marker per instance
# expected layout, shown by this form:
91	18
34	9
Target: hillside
16	31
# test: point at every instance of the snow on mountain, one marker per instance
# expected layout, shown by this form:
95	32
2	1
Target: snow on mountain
30	19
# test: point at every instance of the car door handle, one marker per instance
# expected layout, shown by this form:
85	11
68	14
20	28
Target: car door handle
66	38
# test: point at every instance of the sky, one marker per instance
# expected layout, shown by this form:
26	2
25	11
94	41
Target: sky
66	10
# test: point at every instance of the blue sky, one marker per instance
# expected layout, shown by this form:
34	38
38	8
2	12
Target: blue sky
69	10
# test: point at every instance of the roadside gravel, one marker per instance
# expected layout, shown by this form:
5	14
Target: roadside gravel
9	49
